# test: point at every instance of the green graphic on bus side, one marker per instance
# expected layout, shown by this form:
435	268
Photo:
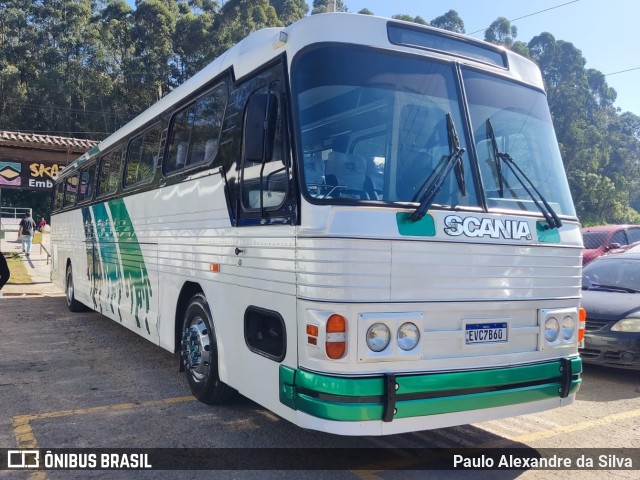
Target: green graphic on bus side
115	262
111	269
135	276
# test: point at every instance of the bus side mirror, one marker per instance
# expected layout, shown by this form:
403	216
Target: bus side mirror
260	127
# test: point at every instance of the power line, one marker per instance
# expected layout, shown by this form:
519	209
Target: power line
530	15
622	71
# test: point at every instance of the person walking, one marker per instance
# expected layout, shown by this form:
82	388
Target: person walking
27	228
4	272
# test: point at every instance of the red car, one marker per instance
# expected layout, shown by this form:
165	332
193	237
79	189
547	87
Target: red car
603	239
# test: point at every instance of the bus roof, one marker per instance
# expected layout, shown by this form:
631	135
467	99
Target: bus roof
261	46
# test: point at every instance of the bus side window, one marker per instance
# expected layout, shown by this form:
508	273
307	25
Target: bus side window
87	178
195	131
59	195
142	156
264	176
109	176
70	190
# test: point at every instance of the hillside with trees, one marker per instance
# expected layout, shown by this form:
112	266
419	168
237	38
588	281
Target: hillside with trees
84	68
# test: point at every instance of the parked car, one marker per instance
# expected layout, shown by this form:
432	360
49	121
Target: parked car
611	298
603	239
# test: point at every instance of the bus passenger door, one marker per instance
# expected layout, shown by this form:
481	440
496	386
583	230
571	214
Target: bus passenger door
266	214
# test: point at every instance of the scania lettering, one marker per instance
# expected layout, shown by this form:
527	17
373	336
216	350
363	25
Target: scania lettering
333	210
491	227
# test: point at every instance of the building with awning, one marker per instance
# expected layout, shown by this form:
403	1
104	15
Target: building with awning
30	161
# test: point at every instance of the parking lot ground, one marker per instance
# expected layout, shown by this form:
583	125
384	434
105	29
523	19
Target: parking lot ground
80	380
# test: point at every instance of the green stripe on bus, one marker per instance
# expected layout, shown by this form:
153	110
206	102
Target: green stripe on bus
425	227
548	235
318	395
342	412
483	378
362	387
134	270
476	401
109	259
358	412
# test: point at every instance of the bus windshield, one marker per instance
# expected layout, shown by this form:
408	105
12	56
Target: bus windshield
373	127
522	128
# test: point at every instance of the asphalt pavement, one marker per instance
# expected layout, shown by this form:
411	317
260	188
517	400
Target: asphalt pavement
38	265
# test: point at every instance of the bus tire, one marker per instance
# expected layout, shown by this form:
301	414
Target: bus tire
72	304
199	353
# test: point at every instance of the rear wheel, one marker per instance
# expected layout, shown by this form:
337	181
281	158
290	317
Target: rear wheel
199	354
72	303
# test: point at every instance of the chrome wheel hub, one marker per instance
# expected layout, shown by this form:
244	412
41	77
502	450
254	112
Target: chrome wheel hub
196	349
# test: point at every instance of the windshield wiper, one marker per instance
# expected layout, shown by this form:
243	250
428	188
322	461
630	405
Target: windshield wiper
553	221
452	161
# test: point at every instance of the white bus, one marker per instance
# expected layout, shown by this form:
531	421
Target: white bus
362	224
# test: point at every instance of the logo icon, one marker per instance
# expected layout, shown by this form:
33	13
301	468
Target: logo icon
23	459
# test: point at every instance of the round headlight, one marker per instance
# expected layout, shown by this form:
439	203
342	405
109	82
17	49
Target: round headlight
408	336
551	329
378	337
568	326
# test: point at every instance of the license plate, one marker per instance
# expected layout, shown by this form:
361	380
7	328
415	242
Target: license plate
485	333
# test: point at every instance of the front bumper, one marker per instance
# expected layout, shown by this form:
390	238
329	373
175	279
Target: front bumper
389	396
614	349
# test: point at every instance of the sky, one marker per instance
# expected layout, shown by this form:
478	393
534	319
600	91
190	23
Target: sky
606	31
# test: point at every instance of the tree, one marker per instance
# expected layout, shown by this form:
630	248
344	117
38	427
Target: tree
600	148
238	19
449	21
320	6
501	32
521	48
190	40
148	72
290	11
15	50
113	31
408	18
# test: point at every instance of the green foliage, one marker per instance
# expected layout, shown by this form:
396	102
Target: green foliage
320	6
501	32
289	11
83	68
449	21
600	147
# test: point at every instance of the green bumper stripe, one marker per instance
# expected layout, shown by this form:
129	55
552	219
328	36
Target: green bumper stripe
345	412
361	399
362	387
461	403
479	379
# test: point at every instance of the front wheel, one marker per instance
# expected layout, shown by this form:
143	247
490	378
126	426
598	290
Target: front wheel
72	304
199	354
